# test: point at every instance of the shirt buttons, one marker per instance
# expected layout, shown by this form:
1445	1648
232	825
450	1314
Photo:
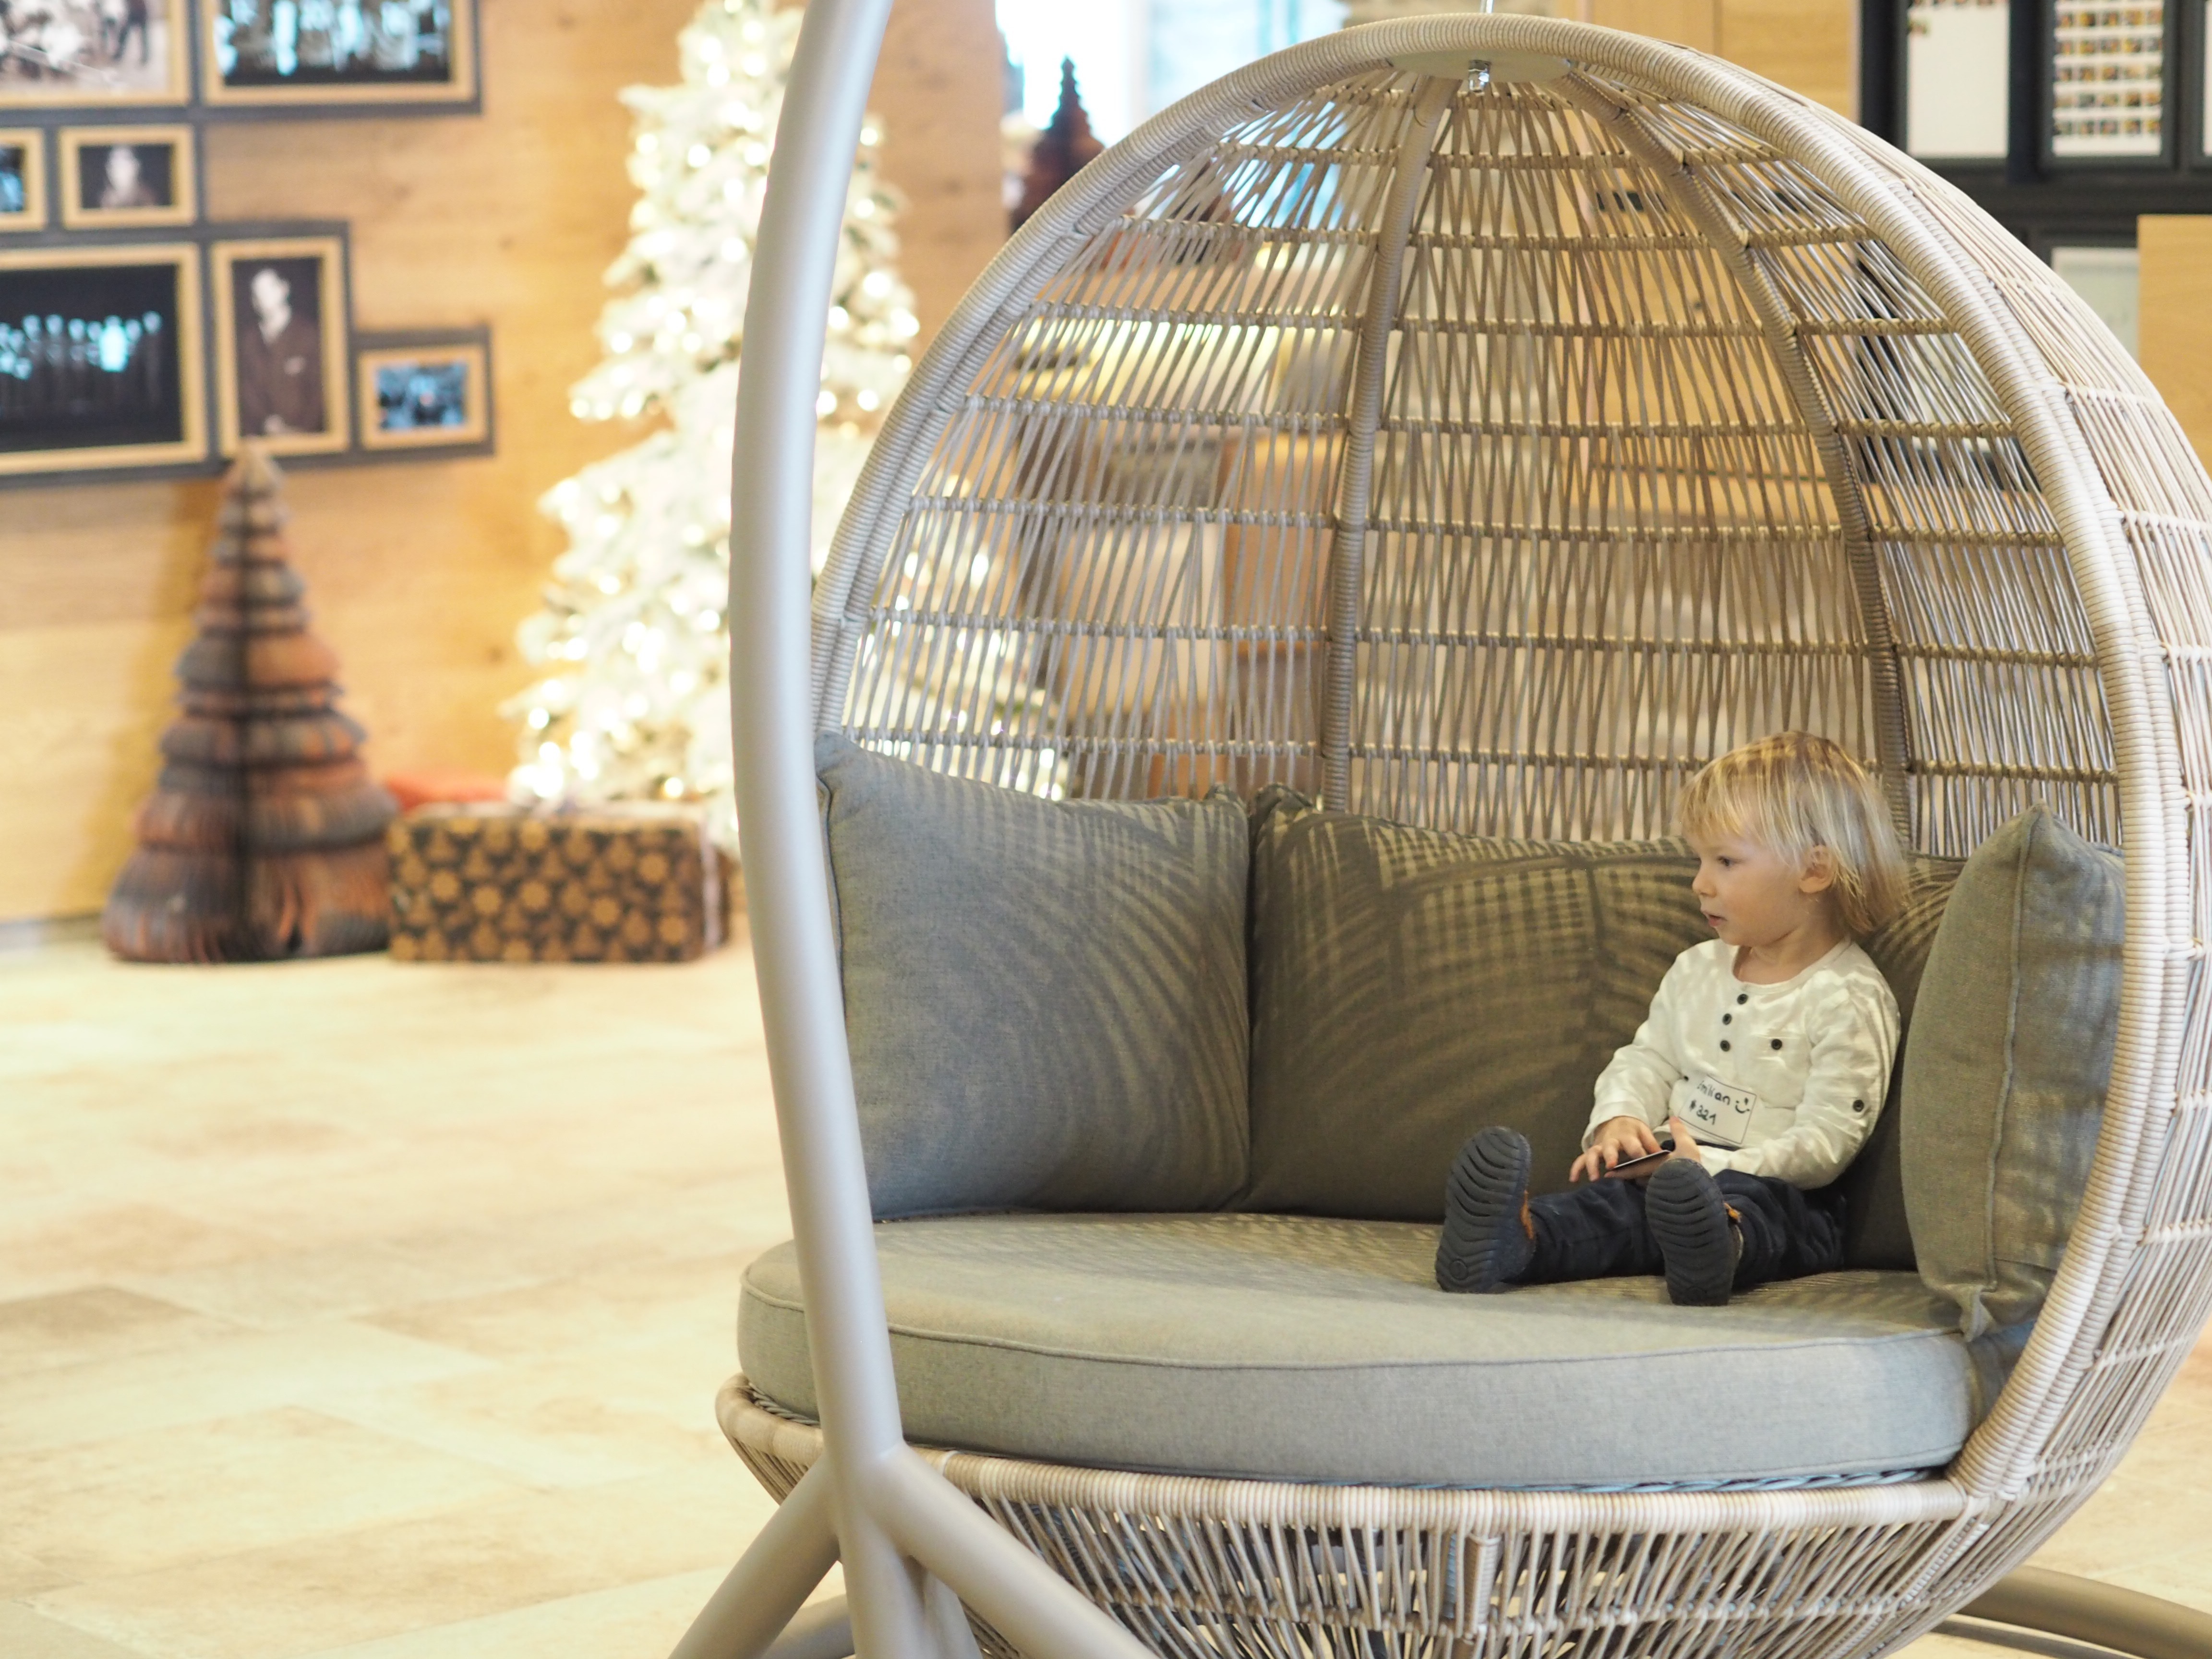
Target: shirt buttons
1774	1042
1726	1018
1724	1045
1743	996
1858	1105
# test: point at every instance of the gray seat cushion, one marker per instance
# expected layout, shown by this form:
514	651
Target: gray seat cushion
1301	1348
1044	999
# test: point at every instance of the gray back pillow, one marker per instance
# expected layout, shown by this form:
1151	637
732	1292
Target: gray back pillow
1410	985
1044	999
2004	1081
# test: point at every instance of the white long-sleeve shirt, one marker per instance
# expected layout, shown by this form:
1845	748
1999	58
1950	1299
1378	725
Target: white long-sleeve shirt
1784	1080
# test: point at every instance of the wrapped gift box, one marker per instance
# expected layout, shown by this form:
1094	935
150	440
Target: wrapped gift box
481	883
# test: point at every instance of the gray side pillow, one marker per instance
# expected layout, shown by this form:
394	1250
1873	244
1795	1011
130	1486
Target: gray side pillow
1044	999
2005	1076
1409	987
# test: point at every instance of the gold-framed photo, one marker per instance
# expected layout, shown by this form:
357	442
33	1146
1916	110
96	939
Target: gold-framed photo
101	364
22	178
256	54
420	397
281	326
93	54
113	177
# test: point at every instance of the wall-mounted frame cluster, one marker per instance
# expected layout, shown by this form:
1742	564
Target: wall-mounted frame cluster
232	57
138	355
139	338
2066	119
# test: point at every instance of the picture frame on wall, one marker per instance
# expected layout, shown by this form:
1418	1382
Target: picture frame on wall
22	178
280	345
101	360
262	54
424	392
115	178
93	54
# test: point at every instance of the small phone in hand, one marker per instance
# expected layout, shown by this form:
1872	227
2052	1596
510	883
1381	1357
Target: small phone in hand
1630	1168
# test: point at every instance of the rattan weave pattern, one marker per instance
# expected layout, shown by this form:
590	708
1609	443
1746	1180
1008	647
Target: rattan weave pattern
1487	458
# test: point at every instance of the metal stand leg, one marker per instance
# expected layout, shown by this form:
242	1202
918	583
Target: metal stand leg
2083	1610
771	1580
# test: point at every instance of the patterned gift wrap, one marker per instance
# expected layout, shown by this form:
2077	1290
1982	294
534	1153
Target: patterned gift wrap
500	884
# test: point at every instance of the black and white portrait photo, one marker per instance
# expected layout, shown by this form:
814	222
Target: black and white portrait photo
282	326
91	52
99	358
127	176
338	50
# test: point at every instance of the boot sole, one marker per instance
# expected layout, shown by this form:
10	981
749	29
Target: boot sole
1689	1219
1483	1246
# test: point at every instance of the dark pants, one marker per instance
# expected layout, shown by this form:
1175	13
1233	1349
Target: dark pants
1597	1230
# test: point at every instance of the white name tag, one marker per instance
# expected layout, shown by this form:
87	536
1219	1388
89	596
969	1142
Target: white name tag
1717	1114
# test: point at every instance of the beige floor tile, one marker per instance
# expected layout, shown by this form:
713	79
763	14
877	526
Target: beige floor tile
215	1377
468	1563
632	1622
100	1322
137	1502
20	1575
24	1634
598	1418
587	1313
92	1244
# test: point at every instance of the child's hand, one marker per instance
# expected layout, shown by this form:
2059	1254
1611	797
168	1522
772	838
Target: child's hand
1618	1138
1685	1143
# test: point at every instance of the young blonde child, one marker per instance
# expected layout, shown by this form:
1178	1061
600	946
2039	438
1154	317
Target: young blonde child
1766	1053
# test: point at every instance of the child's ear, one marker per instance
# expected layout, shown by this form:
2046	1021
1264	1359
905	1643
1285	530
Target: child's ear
1819	874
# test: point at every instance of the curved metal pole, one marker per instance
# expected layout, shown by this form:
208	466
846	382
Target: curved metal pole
2083	1610
876	1488
787	878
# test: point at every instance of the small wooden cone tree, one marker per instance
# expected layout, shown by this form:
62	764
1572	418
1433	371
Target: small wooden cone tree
264	836
1060	151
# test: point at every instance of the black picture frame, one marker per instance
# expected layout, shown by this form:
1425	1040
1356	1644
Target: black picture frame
103	363
373	68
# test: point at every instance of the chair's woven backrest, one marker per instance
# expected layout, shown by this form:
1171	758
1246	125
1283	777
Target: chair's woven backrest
1645	442
1490	456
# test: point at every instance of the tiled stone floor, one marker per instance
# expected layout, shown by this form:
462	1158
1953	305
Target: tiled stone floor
355	1308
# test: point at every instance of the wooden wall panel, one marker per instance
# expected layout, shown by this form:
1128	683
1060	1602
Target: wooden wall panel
1808	45
1811	46
2174	324
418	572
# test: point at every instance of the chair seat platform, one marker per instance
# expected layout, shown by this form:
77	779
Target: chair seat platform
1302	1349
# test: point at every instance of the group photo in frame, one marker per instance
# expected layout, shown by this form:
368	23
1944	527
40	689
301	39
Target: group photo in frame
423	391
22	178
92	54
280	53
280	345
118	178
101	364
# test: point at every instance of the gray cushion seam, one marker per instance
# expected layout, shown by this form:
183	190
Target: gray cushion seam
1008	1346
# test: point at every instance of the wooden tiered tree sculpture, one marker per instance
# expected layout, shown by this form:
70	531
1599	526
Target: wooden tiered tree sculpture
264	837
1060	151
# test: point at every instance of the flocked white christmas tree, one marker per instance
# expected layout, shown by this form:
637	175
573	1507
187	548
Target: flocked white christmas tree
634	701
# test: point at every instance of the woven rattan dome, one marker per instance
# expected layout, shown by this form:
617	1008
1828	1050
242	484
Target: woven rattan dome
1487	449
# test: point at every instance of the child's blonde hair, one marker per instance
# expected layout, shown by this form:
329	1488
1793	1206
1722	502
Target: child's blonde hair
1795	793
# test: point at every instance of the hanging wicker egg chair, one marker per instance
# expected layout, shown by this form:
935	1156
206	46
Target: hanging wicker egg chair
1479	422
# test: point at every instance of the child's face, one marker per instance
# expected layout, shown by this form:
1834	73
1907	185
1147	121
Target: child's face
1753	897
